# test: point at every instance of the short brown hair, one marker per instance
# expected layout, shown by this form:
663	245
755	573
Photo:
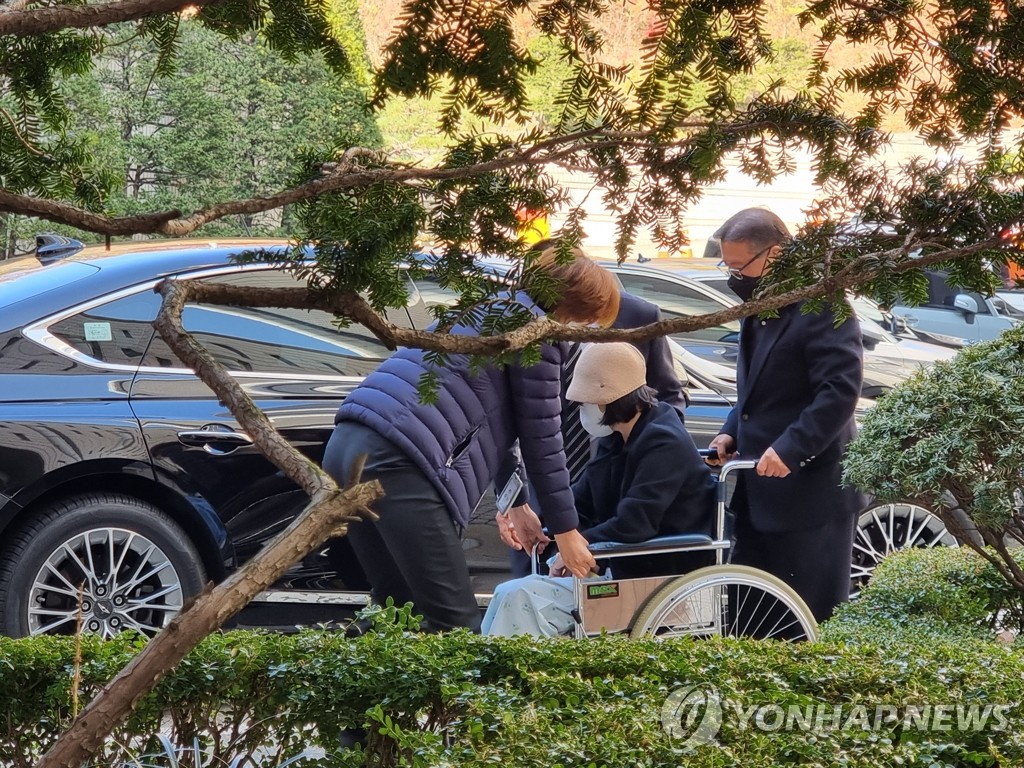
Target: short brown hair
589	293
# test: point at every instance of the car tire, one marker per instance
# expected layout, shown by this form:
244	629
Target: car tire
886	528
105	562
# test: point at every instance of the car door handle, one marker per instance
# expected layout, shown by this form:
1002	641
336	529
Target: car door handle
215	439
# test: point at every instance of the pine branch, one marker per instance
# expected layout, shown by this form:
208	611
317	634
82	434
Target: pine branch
352	306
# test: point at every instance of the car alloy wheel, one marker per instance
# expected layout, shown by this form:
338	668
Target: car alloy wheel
100	564
887	528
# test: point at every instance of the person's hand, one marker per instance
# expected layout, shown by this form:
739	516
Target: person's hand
574	554
771	465
526	528
725	445
507	531
557	567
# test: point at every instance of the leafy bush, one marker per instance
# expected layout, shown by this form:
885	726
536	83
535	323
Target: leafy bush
458	699
927	595
953	437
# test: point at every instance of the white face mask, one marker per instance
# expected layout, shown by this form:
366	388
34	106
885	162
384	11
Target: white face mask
590	418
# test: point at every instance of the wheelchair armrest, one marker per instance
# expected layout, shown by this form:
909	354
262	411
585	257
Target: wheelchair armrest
660	544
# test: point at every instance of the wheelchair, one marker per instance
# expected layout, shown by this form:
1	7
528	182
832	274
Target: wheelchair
718	600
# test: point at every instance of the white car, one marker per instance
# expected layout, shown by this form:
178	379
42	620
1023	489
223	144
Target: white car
955	314
1013	297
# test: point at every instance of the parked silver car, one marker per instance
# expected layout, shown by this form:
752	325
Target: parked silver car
958	316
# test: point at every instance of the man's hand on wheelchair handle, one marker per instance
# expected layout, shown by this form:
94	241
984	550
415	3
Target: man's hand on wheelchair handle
521	529
574	554
725	445
771	465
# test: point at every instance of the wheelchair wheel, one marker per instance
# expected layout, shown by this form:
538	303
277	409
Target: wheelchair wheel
727	601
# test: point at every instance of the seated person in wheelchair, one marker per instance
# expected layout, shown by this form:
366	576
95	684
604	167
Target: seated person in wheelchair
645	480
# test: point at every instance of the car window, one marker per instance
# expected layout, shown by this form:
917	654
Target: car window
1005	308
117	332
241	339
276	340
428	293
942	294
676	300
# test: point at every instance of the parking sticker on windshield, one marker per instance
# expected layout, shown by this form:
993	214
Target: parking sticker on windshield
97	331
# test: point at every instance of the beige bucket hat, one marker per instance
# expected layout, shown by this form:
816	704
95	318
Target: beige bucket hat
606	372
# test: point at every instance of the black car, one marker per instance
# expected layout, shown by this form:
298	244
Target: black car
125	485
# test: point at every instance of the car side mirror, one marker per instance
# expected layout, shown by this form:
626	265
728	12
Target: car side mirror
967	305
897	324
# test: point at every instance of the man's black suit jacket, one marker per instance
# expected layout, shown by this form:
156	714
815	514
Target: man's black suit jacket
799	380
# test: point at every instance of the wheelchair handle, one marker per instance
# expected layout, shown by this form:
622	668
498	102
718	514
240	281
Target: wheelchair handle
734	465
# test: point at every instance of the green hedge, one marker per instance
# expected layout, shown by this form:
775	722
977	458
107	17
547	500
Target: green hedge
457	699
929	595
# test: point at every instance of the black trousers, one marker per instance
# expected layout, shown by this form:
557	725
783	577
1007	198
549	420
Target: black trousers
814	562
413	553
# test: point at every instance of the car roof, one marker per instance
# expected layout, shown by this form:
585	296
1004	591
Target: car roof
30	289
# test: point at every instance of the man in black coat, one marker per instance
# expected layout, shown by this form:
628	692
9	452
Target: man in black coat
799	379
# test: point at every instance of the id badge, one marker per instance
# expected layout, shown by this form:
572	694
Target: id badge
509	493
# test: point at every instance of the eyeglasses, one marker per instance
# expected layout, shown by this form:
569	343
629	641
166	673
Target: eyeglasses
737	272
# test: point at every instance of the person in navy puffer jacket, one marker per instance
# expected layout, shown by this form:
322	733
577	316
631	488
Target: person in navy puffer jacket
436	461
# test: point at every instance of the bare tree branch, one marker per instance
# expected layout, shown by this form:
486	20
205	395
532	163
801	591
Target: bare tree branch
36	21
62	213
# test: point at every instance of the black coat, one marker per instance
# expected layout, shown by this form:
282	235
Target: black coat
656	484
799	379
635	312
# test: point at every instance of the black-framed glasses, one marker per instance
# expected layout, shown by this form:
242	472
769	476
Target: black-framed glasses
737	272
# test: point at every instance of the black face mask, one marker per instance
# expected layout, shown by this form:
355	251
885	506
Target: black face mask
743	287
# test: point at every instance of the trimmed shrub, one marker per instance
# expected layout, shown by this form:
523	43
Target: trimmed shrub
950	438
929	595
458	699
